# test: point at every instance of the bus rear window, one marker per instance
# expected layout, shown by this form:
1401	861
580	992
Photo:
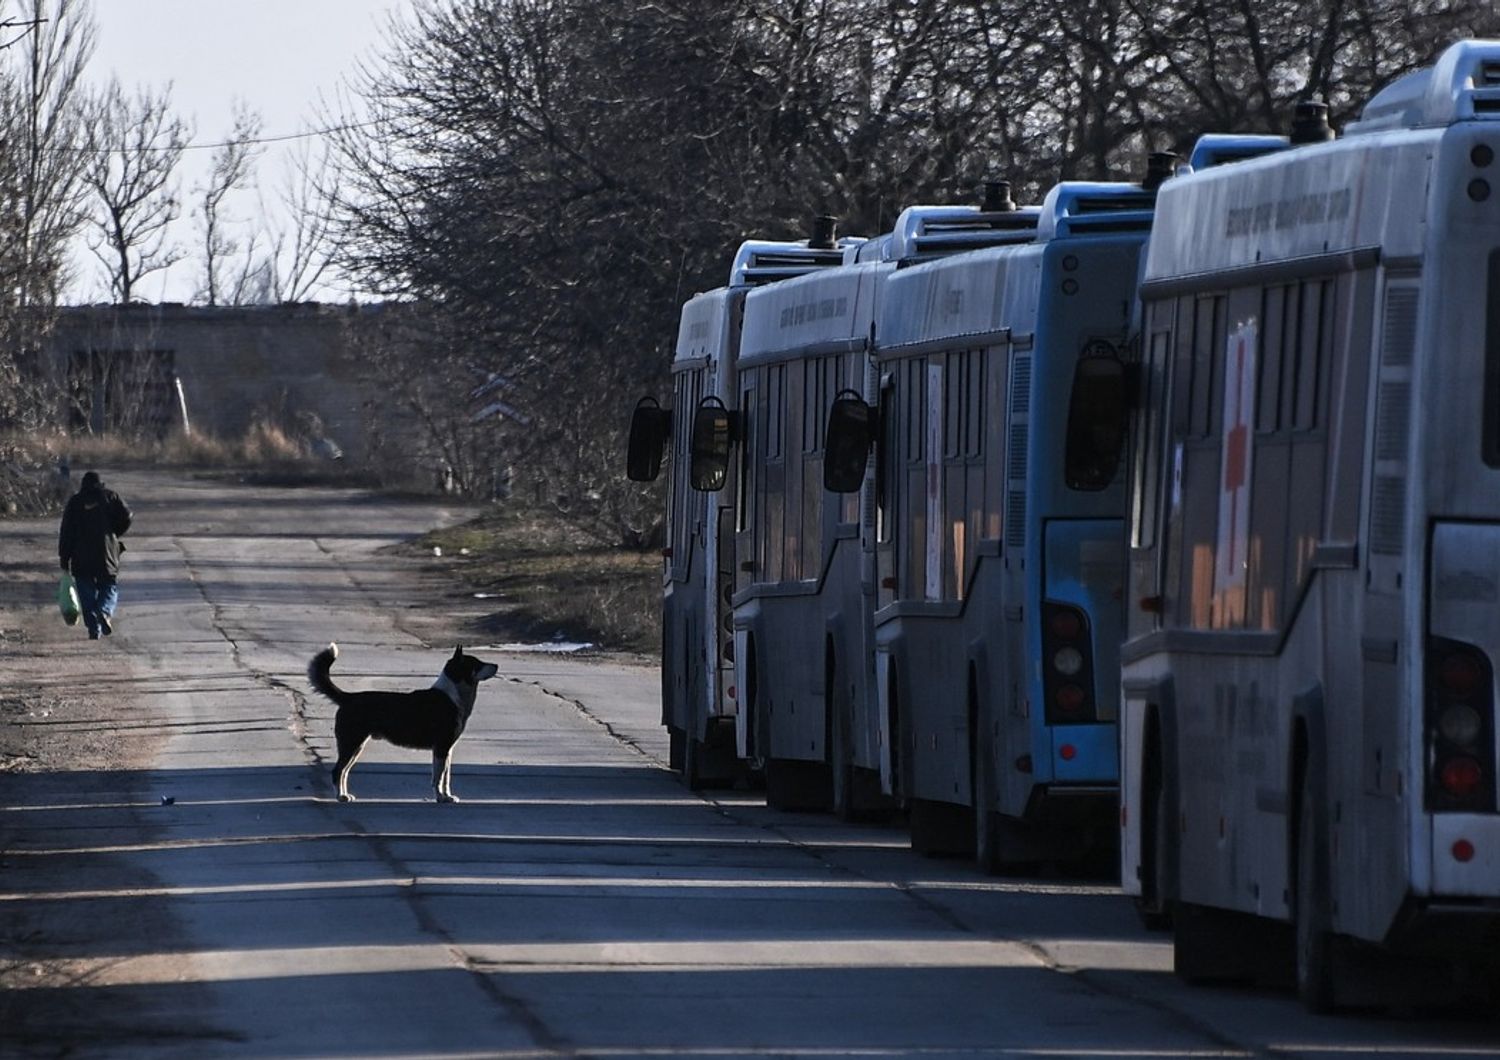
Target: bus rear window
1096	423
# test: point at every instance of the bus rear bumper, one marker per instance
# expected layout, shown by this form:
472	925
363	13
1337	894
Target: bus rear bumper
1080	819
1459	928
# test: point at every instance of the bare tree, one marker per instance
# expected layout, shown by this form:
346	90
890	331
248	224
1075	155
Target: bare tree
302	249
554	177
230	170
46	44
45	127
134	144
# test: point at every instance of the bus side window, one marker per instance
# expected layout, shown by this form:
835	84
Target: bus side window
1203	361
1151	423
686	502
745	487
1317	320
911	563
775	411
1273	345
770	522
974	413
886	465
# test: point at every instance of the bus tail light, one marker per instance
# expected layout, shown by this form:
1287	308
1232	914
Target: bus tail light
1461	777
1068	670
1460	736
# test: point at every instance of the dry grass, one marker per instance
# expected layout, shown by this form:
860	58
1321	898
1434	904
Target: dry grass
265	452
262	445
551	581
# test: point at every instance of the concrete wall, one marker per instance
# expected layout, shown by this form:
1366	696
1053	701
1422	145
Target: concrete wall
234	360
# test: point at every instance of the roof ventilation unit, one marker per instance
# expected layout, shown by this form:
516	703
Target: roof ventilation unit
923	232
761	262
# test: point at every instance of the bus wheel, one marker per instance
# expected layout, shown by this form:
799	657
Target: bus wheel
710	762
692	763
1216	945
1315	971
941	829
839	753
987	847
841	780
1153	905
797	785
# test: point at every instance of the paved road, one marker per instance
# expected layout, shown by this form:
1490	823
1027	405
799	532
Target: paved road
206	895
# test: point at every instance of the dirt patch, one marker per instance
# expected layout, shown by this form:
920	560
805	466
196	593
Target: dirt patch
48	730
39	704
535	578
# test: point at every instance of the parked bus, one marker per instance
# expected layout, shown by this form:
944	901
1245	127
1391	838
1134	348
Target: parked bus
803	591
1308	722
698	694
997	520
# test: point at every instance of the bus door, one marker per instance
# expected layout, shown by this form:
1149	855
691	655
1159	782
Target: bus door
746	483
887	472
1153	480
1153	484
888	467
723	610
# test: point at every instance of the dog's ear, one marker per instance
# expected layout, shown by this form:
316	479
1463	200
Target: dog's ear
458	652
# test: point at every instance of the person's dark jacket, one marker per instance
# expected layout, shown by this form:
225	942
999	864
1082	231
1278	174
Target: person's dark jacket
88	543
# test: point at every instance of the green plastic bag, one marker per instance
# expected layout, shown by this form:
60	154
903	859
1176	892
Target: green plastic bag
67	600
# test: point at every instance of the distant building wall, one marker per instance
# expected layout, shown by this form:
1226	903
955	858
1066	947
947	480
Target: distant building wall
232	361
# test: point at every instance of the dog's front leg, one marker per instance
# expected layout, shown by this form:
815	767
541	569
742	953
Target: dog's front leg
442	778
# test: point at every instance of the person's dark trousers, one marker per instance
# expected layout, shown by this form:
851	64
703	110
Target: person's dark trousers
97	597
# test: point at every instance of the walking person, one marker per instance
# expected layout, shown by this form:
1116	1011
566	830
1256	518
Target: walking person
88	545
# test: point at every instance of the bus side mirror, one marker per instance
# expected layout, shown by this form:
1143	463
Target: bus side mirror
713	431
851	429
1097	421
650	427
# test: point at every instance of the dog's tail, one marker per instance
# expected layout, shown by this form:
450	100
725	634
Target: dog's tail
317	673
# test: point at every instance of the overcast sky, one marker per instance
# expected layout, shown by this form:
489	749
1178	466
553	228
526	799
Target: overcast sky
276	55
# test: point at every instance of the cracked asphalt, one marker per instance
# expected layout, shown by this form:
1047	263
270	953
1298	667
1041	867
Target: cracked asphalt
176	878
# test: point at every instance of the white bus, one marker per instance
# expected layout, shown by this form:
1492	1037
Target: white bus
1308	722
697	665
804	590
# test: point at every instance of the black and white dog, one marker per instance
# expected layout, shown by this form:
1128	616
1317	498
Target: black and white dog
428	719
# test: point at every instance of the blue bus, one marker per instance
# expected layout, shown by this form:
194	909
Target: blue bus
995	517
